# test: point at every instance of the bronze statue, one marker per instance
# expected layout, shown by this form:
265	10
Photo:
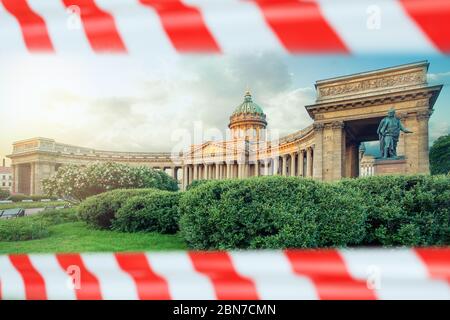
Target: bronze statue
388	133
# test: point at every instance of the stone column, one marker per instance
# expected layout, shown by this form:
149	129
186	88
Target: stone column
338	150
411	143
217	171
184	181
240	169
228	170
318	153
284	165
308	162
15	178
32	178
174	172
300	172
276	161
266	167
191	173
422	141
195	171
292	164
256	173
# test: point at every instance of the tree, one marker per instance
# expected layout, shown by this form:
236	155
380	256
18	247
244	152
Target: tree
440	155
4	194
75	183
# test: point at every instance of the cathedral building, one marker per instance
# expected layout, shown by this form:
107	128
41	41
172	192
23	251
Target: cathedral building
346	114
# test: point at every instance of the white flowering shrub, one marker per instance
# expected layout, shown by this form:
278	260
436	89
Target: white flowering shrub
75	183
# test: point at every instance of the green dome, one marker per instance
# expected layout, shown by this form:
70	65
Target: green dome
248	106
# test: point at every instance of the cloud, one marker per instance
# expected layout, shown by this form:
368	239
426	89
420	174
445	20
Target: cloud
433	77
202	90
438	129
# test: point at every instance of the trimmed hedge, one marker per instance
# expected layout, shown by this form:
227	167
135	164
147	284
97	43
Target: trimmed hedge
20	229
35	226
154	212
21	197
99	210
56	216
271	212
405	210
195	184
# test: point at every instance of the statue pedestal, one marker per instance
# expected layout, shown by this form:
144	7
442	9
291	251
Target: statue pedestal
389	166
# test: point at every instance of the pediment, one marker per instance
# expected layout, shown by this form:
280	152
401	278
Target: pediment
212	148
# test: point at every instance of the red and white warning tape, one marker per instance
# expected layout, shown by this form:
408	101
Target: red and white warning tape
292	274
216	26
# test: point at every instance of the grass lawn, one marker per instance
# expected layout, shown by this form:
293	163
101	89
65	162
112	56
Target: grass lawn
27	205
78	237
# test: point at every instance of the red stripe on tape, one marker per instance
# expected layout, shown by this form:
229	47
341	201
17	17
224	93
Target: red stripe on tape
150	286
99	26
228	284
328	271
184	25
437	261
33	281
300	26
89	285
33	27
433	17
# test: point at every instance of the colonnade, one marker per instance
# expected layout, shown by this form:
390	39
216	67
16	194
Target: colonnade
299	163
366	169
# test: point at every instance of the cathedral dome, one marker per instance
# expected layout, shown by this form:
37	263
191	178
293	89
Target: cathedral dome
248	120
248	106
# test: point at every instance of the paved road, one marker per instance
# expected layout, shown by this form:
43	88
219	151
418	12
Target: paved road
31	211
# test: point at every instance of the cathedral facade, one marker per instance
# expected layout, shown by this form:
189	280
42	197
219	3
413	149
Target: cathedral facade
346	113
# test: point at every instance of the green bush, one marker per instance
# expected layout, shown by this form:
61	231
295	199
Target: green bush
154	212
4	194
271	212
195	184
18	198
19	229
440	155
99	210
405	210
21	197
56	216
35	226
42	197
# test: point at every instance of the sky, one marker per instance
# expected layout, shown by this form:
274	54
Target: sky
123	103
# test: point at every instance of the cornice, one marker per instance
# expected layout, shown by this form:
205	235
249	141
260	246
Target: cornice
429	92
